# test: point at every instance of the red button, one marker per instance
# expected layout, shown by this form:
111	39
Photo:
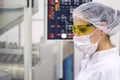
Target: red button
50	12
71	35
50	1
56	34
50	35
56	26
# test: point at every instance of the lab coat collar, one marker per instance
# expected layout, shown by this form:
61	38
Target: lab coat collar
104	54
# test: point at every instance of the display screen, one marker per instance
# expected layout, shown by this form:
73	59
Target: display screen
60	19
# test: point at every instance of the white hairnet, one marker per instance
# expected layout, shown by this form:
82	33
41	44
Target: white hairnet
96	13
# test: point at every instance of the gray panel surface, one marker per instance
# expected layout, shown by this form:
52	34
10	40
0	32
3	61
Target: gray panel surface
4	76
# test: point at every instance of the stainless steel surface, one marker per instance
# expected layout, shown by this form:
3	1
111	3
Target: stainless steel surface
9	18
4	76
28	42
16	71
17	51
12	4
11	62
16	56
12	57
11	15
40	70
11	51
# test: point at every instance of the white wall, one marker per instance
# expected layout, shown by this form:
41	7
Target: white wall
112	3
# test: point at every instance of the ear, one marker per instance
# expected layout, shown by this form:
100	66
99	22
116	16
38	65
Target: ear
103	24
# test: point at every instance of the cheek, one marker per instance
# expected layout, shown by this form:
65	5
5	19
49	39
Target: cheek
75	21
96	36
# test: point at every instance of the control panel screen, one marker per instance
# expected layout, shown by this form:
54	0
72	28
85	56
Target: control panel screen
60	21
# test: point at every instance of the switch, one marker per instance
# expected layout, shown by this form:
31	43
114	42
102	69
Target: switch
56	5
71	35
63	35
50	35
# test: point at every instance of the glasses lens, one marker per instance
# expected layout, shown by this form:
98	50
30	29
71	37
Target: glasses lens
82	29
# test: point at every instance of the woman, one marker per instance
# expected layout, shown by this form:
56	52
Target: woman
94	24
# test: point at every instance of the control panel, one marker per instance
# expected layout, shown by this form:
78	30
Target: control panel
59	25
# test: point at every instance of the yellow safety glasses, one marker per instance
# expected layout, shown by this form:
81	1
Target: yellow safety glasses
81	30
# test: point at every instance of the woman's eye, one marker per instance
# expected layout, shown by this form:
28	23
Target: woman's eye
82	30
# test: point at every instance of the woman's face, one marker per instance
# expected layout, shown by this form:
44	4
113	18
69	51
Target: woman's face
82	27
86	30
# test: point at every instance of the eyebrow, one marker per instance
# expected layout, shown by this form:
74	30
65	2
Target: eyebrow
89	25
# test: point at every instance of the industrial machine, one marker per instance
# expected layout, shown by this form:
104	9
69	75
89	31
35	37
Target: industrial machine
12	62
12	55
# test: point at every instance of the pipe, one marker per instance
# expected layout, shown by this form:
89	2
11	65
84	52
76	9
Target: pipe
28	42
